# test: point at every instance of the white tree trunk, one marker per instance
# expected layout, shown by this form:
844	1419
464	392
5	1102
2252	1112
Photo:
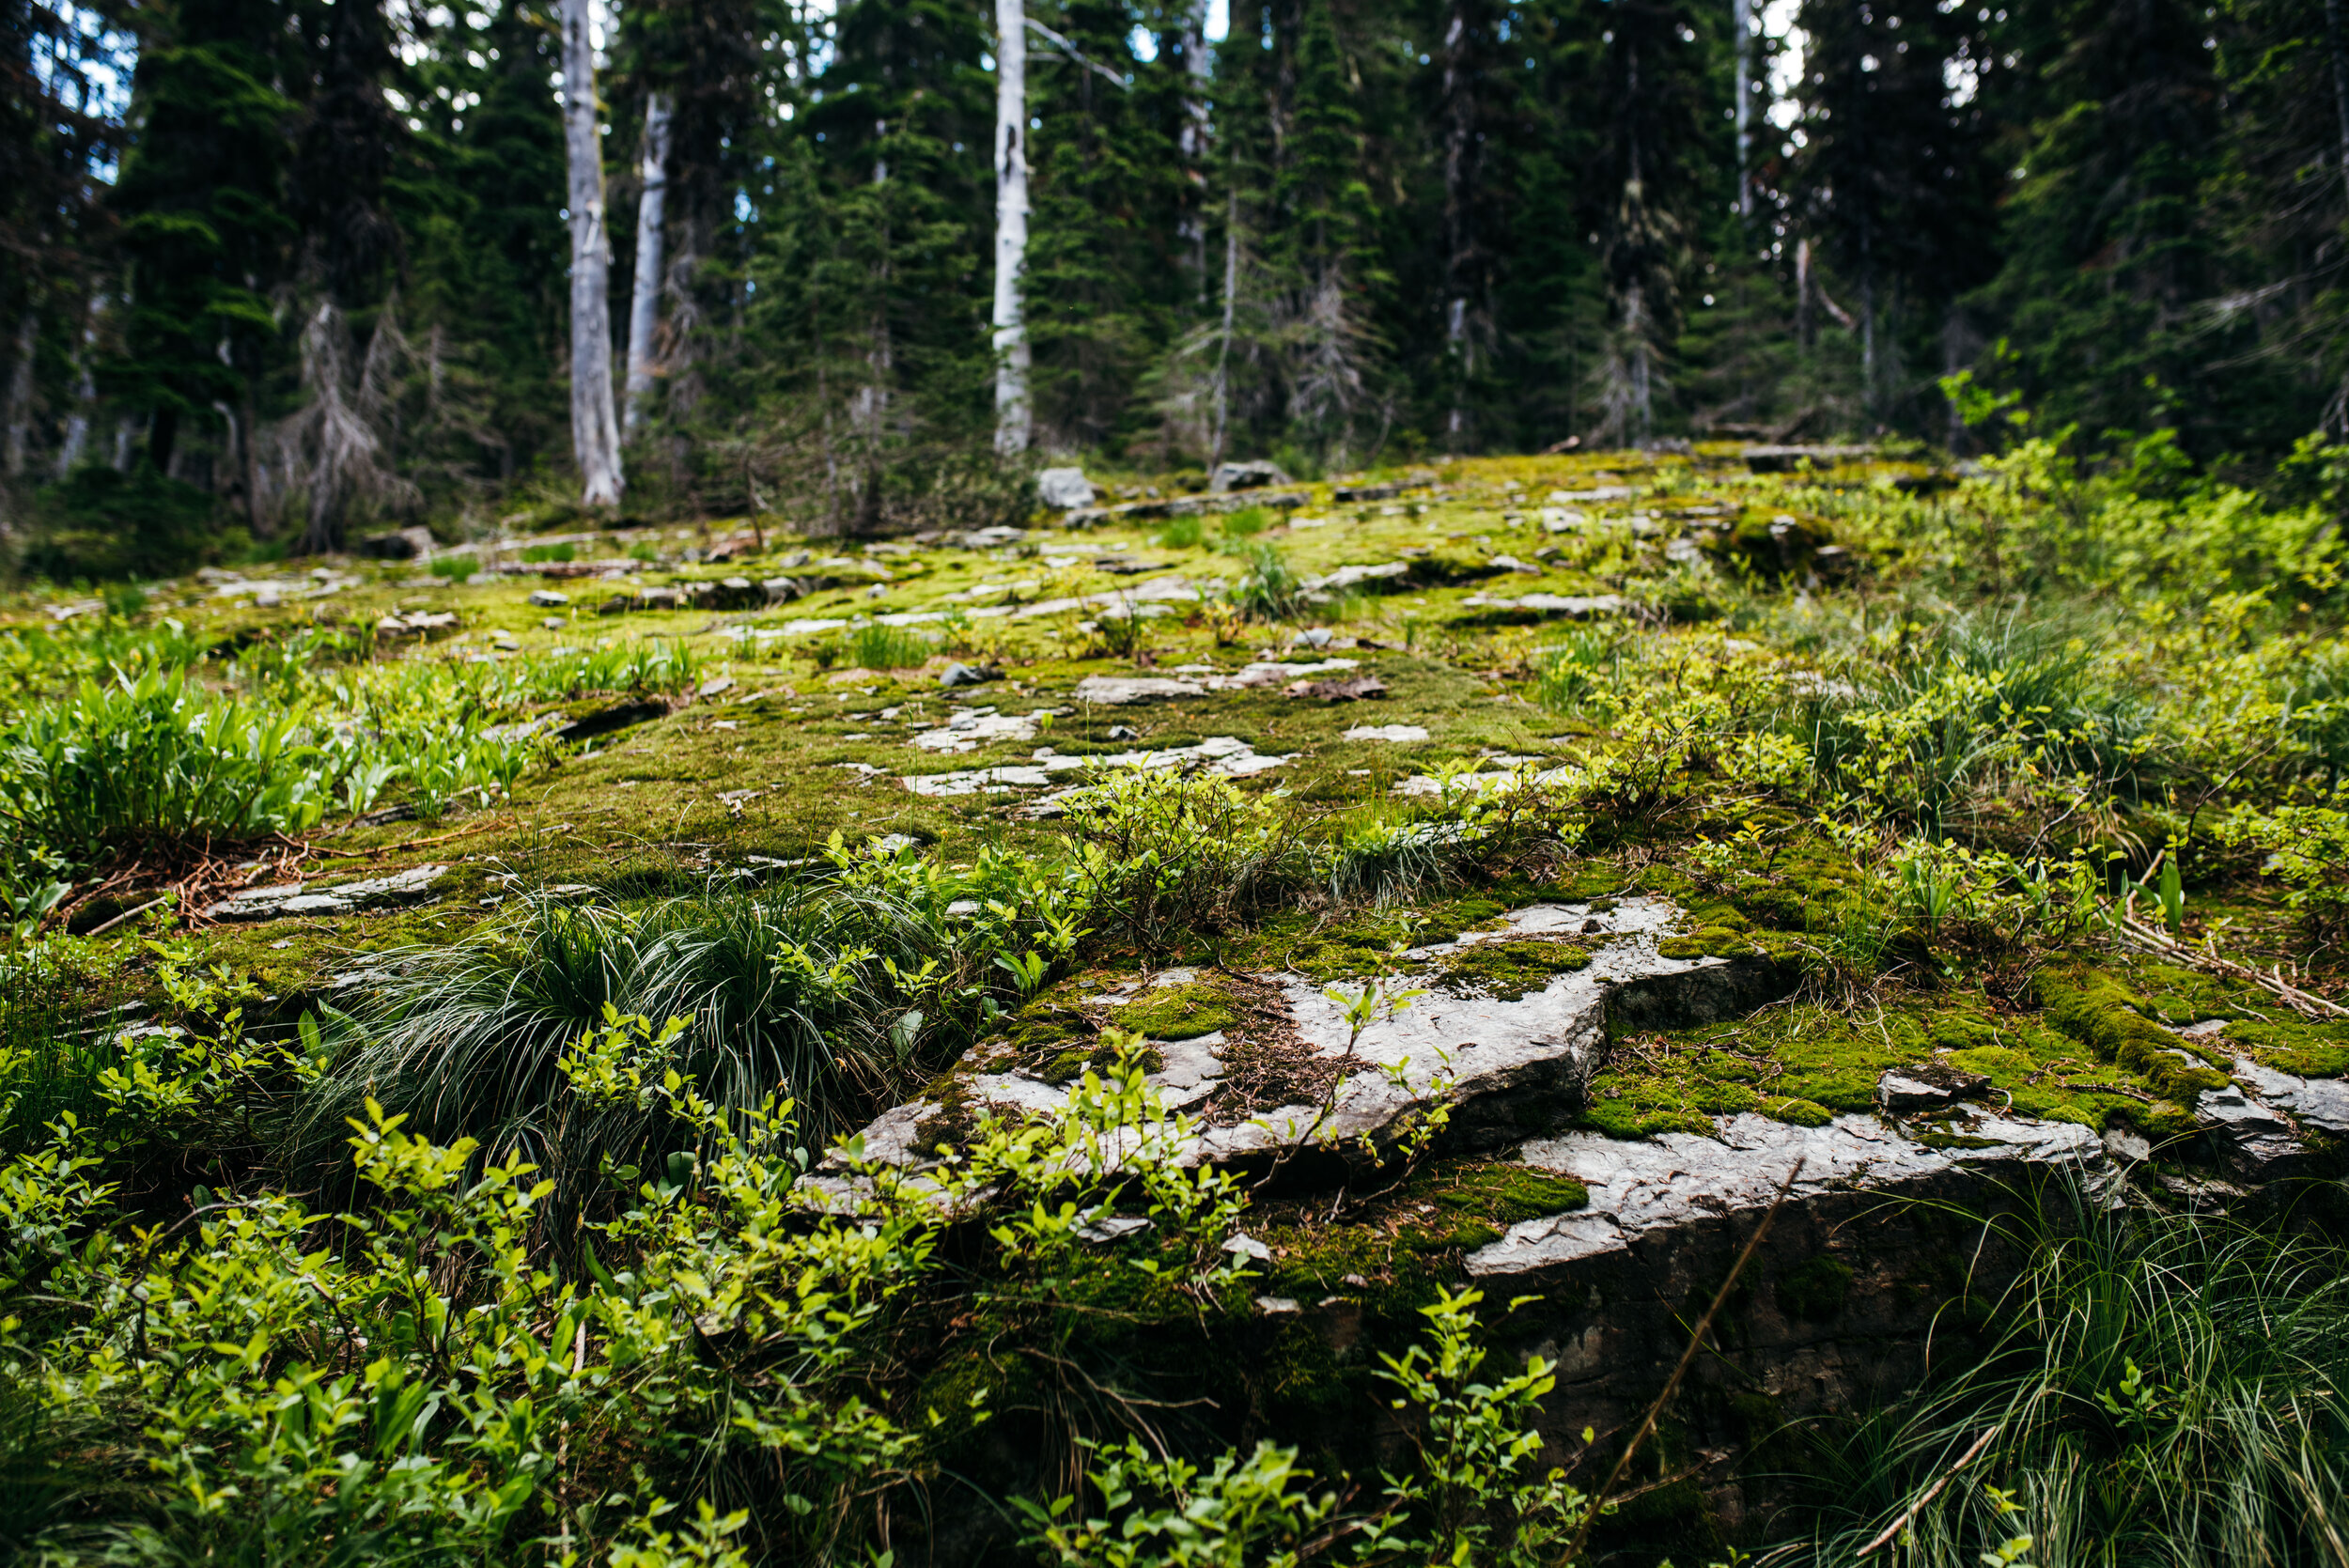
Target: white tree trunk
1012	416
595	428
1740	32
652	209
1194	140
21	389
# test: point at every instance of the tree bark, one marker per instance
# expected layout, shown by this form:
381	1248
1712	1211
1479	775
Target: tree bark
1223	349
76	444
1459	221
1740	30
1012	412
1192	143
2341	80
595	428
652	211
21	389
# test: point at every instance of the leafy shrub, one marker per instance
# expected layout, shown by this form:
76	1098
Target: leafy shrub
2308	847
155	758
1166	849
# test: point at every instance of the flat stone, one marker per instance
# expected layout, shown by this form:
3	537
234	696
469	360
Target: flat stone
1398	733
1353	576
547	599
1222	754
1679	1179
1112	1227
318	898
1927	1086
2252	1141
972	728
2317	1102
1119	690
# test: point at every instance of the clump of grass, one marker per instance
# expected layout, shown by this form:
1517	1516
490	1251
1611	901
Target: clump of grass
536	553
1247	522
874	647
2175	1385
1185	533
790	994
456	569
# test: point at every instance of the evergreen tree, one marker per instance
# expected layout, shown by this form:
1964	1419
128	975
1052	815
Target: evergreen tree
207	231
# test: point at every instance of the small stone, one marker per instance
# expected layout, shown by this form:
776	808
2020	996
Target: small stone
1277	1305
547	599
1242	1245
959	674
1398	733
1124	732
716	684
1927	1086
1112	1227
2130	1147
553	622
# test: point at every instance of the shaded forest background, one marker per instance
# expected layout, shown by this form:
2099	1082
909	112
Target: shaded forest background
298	268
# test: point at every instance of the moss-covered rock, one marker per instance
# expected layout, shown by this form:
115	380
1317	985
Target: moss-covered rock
2104	1015
1182	1012
1510	970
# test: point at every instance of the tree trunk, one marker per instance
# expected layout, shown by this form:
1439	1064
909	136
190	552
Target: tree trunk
1459	221
76	443
1802	293
1223	349
1740	27
1012	415
644	314
2341	80
1193	142
21	389
595	428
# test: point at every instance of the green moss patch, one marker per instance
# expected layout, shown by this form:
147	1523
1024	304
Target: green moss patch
1510	970
1178	1012
2104	1015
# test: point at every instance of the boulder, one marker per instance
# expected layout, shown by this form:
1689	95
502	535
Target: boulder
1063	488
407	544
1247	476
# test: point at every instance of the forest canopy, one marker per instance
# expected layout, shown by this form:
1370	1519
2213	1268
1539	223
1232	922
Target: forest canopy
309	269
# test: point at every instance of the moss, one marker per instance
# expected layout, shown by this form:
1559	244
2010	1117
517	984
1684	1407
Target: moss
2100	1014
1798	1112
1070	1064
1510	970
1711	941
1179	1012
1815	1290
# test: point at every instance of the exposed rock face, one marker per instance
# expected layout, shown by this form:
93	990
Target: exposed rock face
320	898
1501	1069
1927	1086
1222	754
1118	691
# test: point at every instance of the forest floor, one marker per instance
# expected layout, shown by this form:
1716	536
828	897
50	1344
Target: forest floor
1492	759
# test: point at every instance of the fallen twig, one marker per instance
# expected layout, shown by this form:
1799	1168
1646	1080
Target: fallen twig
1909	1517
2151	939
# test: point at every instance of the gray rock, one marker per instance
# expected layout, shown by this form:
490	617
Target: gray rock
960	674
318	898
407	544
547	599
2317	1102
1247	476
1927	1086
1118	691
1111	1227
992	538
2250	1139
1061	488
781	590
1349	577
1677	1179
